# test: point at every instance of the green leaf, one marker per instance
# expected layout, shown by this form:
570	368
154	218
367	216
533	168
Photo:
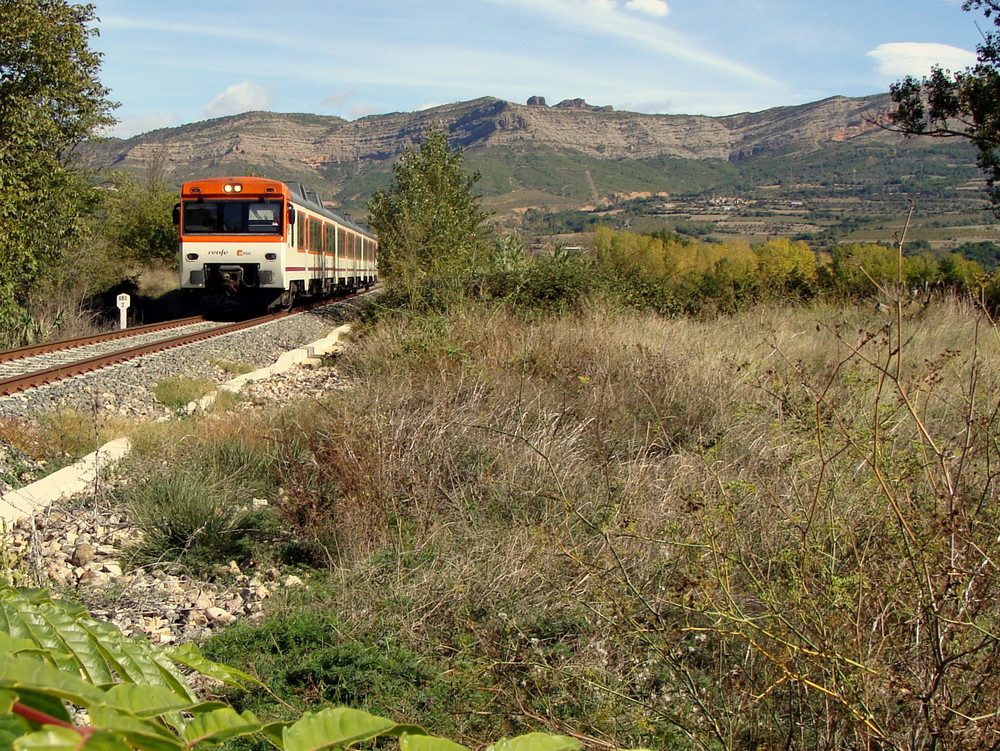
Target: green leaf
145	701
191	657
32	673
537	742
275	732
135	661
45	703
24	620
139	733
11	727
220	725
54	738
73	641
339	727
428	743
12	645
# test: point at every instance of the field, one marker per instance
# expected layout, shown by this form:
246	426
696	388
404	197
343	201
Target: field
826	197
777	528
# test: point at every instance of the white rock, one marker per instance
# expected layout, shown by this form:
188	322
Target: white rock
218	615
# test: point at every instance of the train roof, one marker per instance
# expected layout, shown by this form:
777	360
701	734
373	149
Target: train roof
311	200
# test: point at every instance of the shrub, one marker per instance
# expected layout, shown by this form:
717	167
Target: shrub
191	519
175	393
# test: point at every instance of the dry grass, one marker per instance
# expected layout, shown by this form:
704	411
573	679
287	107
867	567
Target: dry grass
773	529
156	281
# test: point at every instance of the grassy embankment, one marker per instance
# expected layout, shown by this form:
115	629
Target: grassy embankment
773	528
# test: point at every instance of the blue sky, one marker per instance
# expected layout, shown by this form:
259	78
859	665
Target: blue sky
170	63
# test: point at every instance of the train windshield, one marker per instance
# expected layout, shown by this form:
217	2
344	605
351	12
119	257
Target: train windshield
232	217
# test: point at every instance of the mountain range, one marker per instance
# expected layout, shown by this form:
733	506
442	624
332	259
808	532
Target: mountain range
563	156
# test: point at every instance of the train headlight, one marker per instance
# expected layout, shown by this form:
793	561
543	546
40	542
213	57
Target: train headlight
192	256
271	256
232	188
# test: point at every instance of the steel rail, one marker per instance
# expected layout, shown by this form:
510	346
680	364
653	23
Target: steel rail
60	372
41	349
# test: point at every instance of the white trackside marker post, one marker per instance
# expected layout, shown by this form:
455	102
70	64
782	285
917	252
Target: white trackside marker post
123	302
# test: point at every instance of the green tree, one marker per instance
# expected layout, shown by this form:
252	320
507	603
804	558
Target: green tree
138	220
859	268
430	227
785	265
963	105
50	101
986	253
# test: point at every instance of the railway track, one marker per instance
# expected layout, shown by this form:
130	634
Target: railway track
28	367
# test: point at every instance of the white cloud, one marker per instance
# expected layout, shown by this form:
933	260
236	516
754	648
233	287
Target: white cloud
362	110
604	17
898	59
136	124
340	98
240	97
652	106
654	8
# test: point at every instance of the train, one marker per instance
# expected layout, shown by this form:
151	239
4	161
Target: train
256	243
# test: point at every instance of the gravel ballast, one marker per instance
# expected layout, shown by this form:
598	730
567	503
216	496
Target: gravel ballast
126	389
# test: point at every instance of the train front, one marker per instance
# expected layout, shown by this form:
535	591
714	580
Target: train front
234	233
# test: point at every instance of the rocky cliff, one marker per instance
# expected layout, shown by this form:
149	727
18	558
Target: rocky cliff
321	150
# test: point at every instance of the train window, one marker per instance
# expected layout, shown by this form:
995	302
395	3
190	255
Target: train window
341	242
200	217
264	218
316	240
232	218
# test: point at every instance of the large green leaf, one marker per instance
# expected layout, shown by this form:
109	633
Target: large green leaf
70	639
339	727
26	620
428	743
537	742
29	672
145	701
44	702
191	657
138	733
220	725
62	627
12	645
12	727
53	738
135	661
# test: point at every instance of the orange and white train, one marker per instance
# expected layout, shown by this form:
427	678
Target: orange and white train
258	243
